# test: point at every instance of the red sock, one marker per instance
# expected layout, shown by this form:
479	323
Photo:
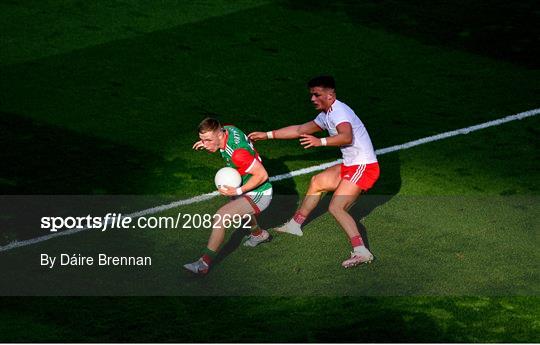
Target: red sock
356	241
208	256
299	217
256	232
207	259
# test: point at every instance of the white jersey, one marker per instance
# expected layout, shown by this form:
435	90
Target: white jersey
361	150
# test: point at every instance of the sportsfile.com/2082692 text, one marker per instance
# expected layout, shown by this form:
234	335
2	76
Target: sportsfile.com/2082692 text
118	221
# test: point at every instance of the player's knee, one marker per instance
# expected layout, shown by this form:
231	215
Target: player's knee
316	183
335	208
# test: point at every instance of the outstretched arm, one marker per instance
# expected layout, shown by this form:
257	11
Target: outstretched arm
344	137
290	132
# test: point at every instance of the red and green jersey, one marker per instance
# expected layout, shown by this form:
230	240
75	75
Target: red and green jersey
240	154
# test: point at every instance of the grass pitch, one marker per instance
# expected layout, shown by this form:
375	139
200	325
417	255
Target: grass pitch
104	99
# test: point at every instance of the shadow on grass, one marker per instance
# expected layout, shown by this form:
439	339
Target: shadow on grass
499	29
188	319
46	159
41	159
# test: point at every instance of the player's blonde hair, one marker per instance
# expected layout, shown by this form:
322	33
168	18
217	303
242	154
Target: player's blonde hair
209	125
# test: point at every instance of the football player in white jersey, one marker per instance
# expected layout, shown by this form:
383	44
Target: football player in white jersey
358	172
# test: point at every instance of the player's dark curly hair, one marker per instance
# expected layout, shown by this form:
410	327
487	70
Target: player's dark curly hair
326	81
209	125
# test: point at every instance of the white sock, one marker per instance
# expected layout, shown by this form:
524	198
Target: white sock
360	249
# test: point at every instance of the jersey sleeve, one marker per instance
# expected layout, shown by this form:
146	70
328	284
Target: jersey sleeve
319	121
340	117
243	160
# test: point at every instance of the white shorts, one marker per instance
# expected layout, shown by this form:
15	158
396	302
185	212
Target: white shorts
259	200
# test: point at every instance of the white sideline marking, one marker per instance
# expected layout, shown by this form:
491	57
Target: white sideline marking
208	196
